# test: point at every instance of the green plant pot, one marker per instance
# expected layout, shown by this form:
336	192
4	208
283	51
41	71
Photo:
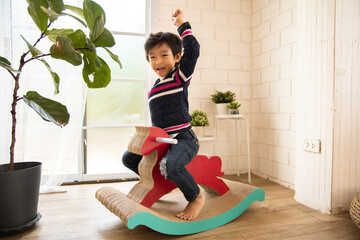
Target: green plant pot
234	111
19	196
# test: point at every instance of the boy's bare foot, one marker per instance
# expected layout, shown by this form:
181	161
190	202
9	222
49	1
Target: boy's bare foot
193	208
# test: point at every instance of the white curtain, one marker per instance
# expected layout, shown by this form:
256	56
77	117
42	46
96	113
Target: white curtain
5	81
57	148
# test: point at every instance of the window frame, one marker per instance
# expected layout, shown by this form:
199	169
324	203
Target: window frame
82	175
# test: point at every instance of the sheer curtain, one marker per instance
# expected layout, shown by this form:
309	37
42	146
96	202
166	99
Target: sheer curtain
6	83
57	148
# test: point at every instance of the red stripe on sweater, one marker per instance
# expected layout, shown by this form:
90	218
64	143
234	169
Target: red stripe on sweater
187	32
177	83
177	127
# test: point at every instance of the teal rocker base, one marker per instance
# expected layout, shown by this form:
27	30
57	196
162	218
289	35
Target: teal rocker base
217	211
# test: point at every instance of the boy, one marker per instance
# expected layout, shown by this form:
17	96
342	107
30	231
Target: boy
169	108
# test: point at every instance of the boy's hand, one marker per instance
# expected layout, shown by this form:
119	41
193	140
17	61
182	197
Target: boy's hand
178	17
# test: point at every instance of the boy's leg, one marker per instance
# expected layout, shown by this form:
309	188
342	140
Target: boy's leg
131	161
174	161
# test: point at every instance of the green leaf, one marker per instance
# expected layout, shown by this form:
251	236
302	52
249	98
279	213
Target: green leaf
5	61
52	15
48	109
75	10
56	5
106	39
39	17
95	76
54	33
90	45
64	49
6	64
91	56
54	75
98	28
92	11
114	57
90	53
78	38
34	51
76	18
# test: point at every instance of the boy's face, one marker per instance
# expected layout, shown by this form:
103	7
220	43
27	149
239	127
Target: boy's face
162	60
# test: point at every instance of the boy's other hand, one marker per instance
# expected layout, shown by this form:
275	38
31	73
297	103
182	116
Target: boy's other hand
178	17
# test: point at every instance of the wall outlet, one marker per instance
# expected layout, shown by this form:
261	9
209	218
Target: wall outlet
312	145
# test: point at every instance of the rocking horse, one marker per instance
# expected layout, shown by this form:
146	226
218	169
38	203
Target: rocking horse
154	200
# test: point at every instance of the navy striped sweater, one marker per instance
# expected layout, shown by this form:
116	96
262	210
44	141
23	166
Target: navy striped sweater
168	98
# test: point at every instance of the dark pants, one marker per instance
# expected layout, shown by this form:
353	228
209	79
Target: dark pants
172	166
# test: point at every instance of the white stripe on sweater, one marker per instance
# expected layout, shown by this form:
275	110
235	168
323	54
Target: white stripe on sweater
166	80
166	93
183	76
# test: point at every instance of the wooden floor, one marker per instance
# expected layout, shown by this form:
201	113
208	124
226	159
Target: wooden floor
78	215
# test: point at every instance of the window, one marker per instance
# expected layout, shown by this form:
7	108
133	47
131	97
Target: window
112	112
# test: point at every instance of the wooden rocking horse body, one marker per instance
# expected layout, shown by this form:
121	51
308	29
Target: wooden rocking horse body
225	200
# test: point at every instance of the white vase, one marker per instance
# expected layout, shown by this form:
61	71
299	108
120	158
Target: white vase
222	109
199	131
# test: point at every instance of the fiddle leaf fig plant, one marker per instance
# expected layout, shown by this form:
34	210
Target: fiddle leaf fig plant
69	45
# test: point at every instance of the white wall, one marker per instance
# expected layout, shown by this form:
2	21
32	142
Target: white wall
223	29
328	104
315	102
346	152
274	89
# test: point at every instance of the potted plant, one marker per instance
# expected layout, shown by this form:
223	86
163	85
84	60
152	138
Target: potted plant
233	108
19	182
221	99
199	122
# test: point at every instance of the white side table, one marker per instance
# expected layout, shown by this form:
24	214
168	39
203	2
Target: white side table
206	139
237	117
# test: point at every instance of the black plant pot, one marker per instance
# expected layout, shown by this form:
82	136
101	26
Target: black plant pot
19	197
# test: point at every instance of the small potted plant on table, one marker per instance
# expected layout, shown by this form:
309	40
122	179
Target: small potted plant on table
222	99
233	108
199	122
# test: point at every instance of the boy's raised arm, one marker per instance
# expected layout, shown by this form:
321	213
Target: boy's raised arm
190	45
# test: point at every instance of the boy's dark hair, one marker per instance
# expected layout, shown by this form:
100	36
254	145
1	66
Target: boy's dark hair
172	40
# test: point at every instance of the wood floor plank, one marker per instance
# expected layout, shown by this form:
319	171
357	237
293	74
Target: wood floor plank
76	214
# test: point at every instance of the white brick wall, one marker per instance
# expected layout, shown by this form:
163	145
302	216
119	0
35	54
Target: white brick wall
247	46
261	31
273	82
203	4
228	5
261	61
214	18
